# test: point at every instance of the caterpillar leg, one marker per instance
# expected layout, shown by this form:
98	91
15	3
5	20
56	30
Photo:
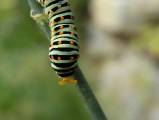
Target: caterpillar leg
67	80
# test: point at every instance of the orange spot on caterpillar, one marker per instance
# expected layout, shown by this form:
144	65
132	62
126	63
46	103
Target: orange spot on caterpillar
62	18
72	58
60	33
61	27
72	33
59	42
51	57
67	80
71	42
59	58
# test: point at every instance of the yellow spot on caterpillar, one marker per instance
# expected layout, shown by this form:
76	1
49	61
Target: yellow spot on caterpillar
67	80
52	34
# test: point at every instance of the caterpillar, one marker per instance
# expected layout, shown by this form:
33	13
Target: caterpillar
64	48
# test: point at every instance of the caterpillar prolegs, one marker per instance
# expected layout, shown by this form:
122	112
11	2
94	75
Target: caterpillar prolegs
64	48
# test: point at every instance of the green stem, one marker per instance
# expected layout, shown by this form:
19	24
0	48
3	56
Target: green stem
84	89
89	97
36	10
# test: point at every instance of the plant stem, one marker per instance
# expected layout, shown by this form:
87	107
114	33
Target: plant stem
89	98
83	87
36	13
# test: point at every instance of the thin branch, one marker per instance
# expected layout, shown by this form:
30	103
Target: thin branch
89	98
84	89
36	13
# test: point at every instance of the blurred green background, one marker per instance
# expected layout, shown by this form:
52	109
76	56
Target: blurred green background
119	56
28	86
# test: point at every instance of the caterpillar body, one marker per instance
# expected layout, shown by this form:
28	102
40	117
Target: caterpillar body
64	48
